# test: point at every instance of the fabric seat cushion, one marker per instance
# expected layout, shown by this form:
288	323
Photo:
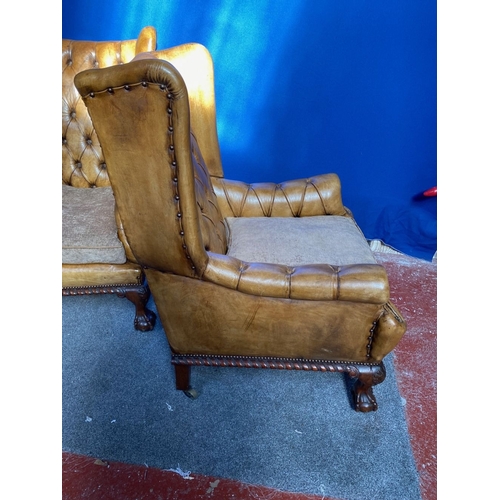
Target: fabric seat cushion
89	234
294	241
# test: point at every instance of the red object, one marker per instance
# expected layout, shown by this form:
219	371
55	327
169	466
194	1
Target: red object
431	192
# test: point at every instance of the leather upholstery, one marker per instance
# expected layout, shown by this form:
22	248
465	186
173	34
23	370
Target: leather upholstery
173	205
298	198
94	275
82	160
194	63
254	325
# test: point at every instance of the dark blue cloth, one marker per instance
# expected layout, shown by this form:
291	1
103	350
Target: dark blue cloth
411	229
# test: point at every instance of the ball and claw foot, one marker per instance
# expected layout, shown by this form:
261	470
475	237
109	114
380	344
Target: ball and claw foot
145	319
368	376
145	322
364	400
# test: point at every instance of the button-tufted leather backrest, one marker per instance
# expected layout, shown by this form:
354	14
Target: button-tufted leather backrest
83	163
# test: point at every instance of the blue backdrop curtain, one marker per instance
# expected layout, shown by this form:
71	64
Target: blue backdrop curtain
308	87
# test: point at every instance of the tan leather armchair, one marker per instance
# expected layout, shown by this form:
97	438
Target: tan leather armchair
262	275
96	256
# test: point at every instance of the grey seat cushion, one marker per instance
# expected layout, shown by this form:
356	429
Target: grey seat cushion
89	234
294	241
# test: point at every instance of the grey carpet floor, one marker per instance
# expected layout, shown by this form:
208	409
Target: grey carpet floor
290	430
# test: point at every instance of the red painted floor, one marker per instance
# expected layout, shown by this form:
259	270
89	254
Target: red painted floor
415	362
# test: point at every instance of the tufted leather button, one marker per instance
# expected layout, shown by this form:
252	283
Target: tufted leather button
163	86
171	147
64	140
92	94
69	62
169	111
78	164
170	129
103	166
89	140
126	87
110	90
72	113
144	84
169	96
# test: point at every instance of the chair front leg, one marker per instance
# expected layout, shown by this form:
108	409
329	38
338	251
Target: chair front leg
145	319
366	378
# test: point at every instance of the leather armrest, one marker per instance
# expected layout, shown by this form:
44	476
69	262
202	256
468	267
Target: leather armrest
319	195
358	283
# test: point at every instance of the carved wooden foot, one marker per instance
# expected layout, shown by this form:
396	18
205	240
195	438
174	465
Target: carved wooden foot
368	376
145	319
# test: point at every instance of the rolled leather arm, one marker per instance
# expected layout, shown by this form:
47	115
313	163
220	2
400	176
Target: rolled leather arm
359	283
390	328
319	195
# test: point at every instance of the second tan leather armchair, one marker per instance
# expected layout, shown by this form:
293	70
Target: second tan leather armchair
95	256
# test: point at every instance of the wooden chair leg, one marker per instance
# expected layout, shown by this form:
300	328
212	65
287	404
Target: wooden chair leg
145	319
367	377
183	381
182	377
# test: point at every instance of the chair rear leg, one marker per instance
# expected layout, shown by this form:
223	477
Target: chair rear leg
182	377
183	381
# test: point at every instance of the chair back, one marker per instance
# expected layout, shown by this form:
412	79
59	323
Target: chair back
162	186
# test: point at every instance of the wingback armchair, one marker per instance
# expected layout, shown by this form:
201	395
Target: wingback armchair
96	258
244	275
